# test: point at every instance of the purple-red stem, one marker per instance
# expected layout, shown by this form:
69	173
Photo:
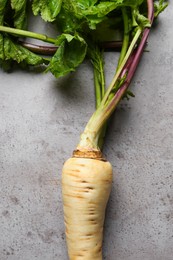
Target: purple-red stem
50	50
133	61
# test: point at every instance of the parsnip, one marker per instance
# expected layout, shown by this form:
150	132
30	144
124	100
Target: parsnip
86	186
87	177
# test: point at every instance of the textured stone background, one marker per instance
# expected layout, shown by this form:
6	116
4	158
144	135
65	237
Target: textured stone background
41	119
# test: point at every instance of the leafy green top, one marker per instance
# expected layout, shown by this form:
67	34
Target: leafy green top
79	21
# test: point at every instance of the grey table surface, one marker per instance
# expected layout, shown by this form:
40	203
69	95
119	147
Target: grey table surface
41	119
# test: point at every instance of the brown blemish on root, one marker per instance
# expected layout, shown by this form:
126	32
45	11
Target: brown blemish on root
81	165
106	181
89	235
99	249
80	255
92	219
75	170
86	189
90	188
84	181
79	197
74	196
72	174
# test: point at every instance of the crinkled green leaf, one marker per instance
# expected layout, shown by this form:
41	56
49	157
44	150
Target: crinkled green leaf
15	52
71	52
82	4
96	14
48	9
67	21
96	11
132	3
20	17
89	11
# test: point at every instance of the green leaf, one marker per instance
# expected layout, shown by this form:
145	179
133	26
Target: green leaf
15	52
131	3
20	17
2	10
96	56
1	47
96	11
71	52
67	21
128	94
93	12
96	14
139	19
49	9
159	6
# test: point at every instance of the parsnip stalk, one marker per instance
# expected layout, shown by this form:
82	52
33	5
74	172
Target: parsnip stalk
118	87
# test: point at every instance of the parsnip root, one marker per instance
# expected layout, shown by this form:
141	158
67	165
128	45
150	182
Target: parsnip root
86	186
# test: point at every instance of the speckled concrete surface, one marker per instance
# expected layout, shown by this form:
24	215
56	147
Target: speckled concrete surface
40	122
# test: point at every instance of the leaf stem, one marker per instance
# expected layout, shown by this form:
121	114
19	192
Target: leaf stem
125	38
98	96
99	83
50	50
120	69
23	33
39	49
90	136
125	44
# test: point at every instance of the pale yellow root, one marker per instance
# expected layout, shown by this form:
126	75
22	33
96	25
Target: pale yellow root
86	186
